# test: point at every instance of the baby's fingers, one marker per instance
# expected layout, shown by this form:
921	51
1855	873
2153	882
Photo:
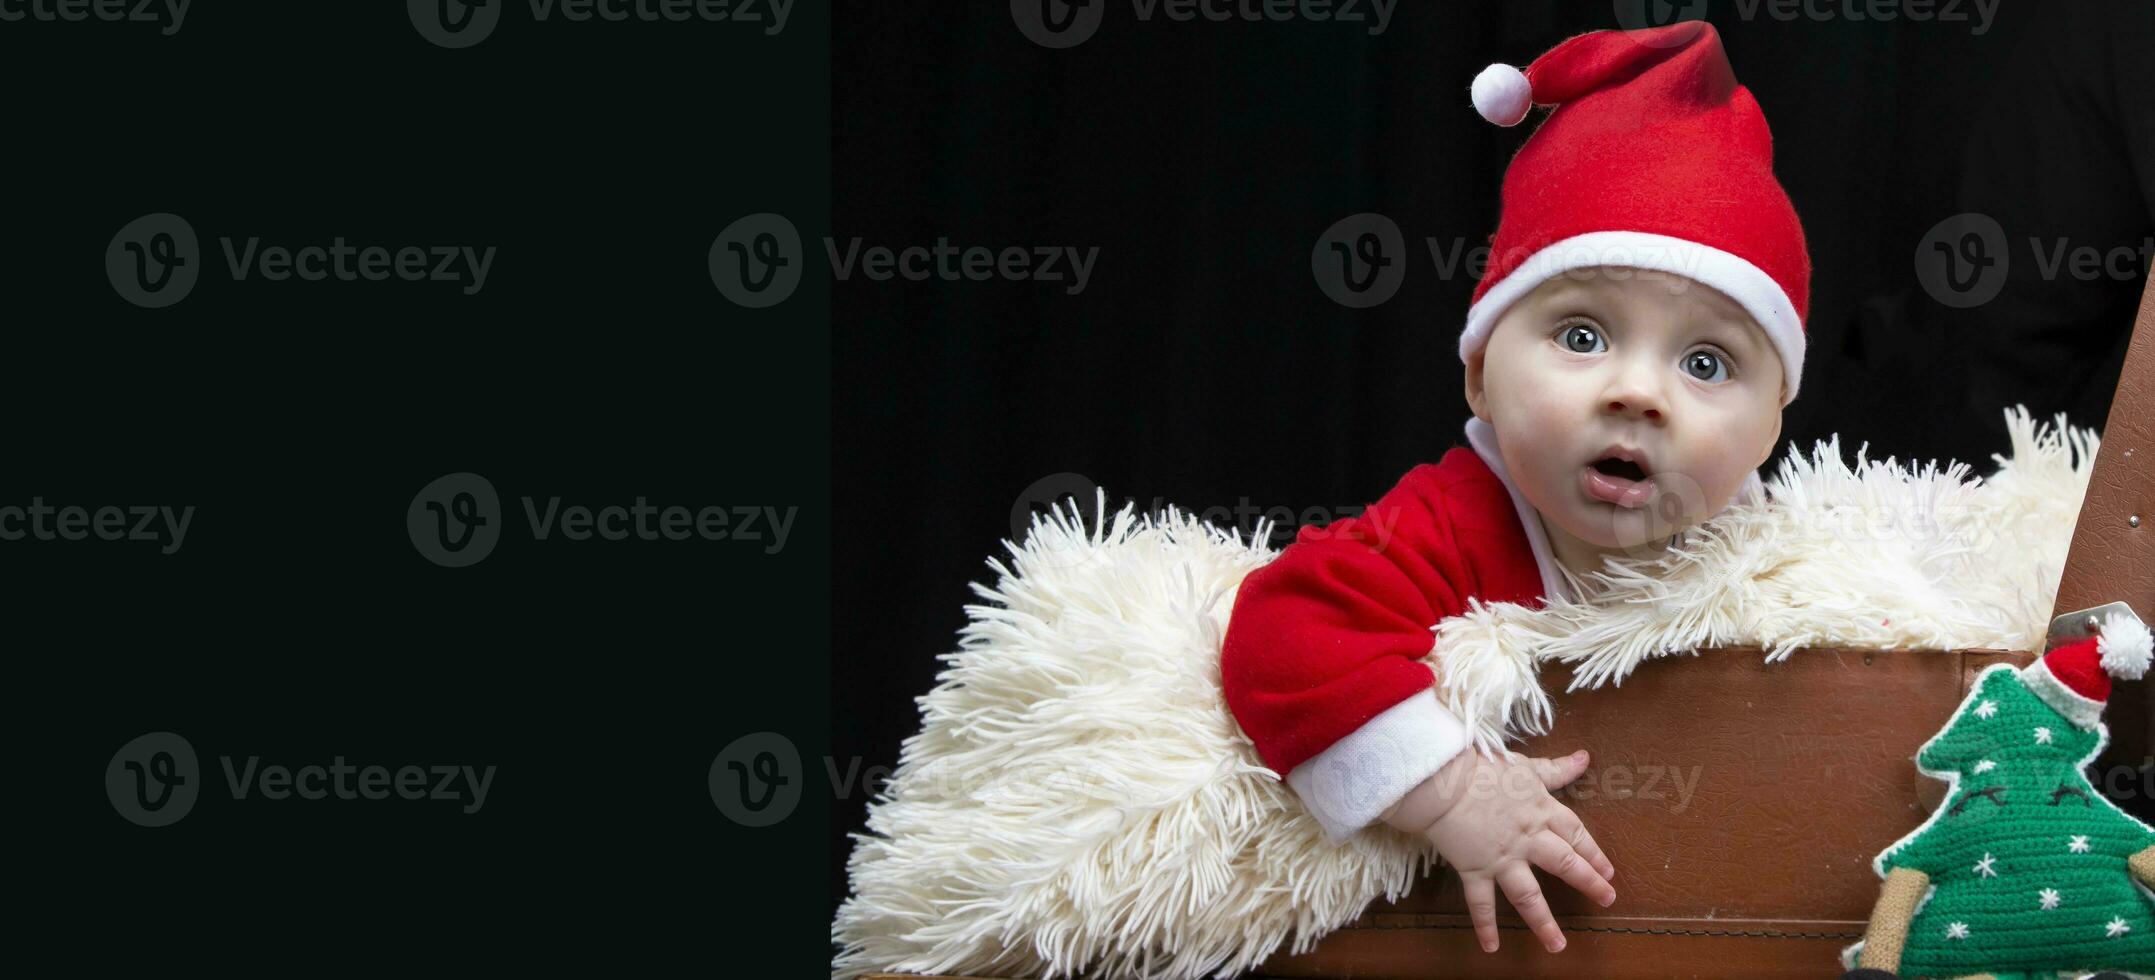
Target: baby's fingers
1481	895
1551	854
1559	772
1525	894
1568	827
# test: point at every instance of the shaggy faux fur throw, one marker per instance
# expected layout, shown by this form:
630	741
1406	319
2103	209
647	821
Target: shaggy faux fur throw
1079	799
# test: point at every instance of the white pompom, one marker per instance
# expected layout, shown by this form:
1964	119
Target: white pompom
1502	94
2126	646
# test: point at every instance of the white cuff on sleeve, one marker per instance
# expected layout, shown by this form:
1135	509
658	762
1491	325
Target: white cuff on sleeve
1354	780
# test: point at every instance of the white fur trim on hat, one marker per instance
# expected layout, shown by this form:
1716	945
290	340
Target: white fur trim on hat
1502	94
1747	284
2125	645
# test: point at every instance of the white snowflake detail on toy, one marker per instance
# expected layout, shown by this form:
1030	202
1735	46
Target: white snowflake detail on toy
2050	899
1984	765
1958	930
2117	927
2042	736
1984	868
2078	845
1986	709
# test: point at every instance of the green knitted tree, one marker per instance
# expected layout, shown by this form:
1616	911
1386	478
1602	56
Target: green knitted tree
2027	868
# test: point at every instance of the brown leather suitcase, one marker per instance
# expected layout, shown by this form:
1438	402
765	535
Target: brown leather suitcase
1741	803
1799	772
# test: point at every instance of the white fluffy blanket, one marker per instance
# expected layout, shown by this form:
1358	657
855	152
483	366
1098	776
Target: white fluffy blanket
1079	799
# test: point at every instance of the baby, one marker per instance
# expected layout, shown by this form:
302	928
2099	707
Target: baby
1627	358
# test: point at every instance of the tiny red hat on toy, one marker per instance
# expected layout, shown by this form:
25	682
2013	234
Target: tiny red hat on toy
2075	678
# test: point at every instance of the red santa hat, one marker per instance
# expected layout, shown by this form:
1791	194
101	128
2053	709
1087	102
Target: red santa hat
1653	158
2075	677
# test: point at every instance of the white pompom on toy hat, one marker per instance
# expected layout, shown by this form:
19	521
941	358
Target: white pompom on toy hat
1502	94
2126	646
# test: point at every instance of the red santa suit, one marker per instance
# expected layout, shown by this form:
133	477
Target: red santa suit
1320	665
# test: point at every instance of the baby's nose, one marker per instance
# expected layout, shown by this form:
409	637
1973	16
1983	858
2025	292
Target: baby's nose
1624	407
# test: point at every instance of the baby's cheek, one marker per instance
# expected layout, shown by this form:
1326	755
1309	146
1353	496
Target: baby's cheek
1720	471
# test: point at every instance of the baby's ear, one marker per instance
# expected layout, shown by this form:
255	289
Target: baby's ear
1475	394
1772	442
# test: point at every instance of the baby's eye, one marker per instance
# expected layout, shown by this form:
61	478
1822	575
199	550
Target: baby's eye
1701	363
1581	339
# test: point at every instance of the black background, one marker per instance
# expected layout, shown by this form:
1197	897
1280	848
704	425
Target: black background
298	622
1203	367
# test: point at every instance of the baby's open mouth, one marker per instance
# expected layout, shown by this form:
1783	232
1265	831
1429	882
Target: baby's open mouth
1620	467
1617	481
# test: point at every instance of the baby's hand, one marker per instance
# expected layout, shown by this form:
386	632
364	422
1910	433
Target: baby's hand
1491	819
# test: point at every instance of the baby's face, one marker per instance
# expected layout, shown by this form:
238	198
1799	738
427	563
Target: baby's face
1613	356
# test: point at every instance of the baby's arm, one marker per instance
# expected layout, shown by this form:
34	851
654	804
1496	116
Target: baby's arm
1321	664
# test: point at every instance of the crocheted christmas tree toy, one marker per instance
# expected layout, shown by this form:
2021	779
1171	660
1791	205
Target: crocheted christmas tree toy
2025	868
